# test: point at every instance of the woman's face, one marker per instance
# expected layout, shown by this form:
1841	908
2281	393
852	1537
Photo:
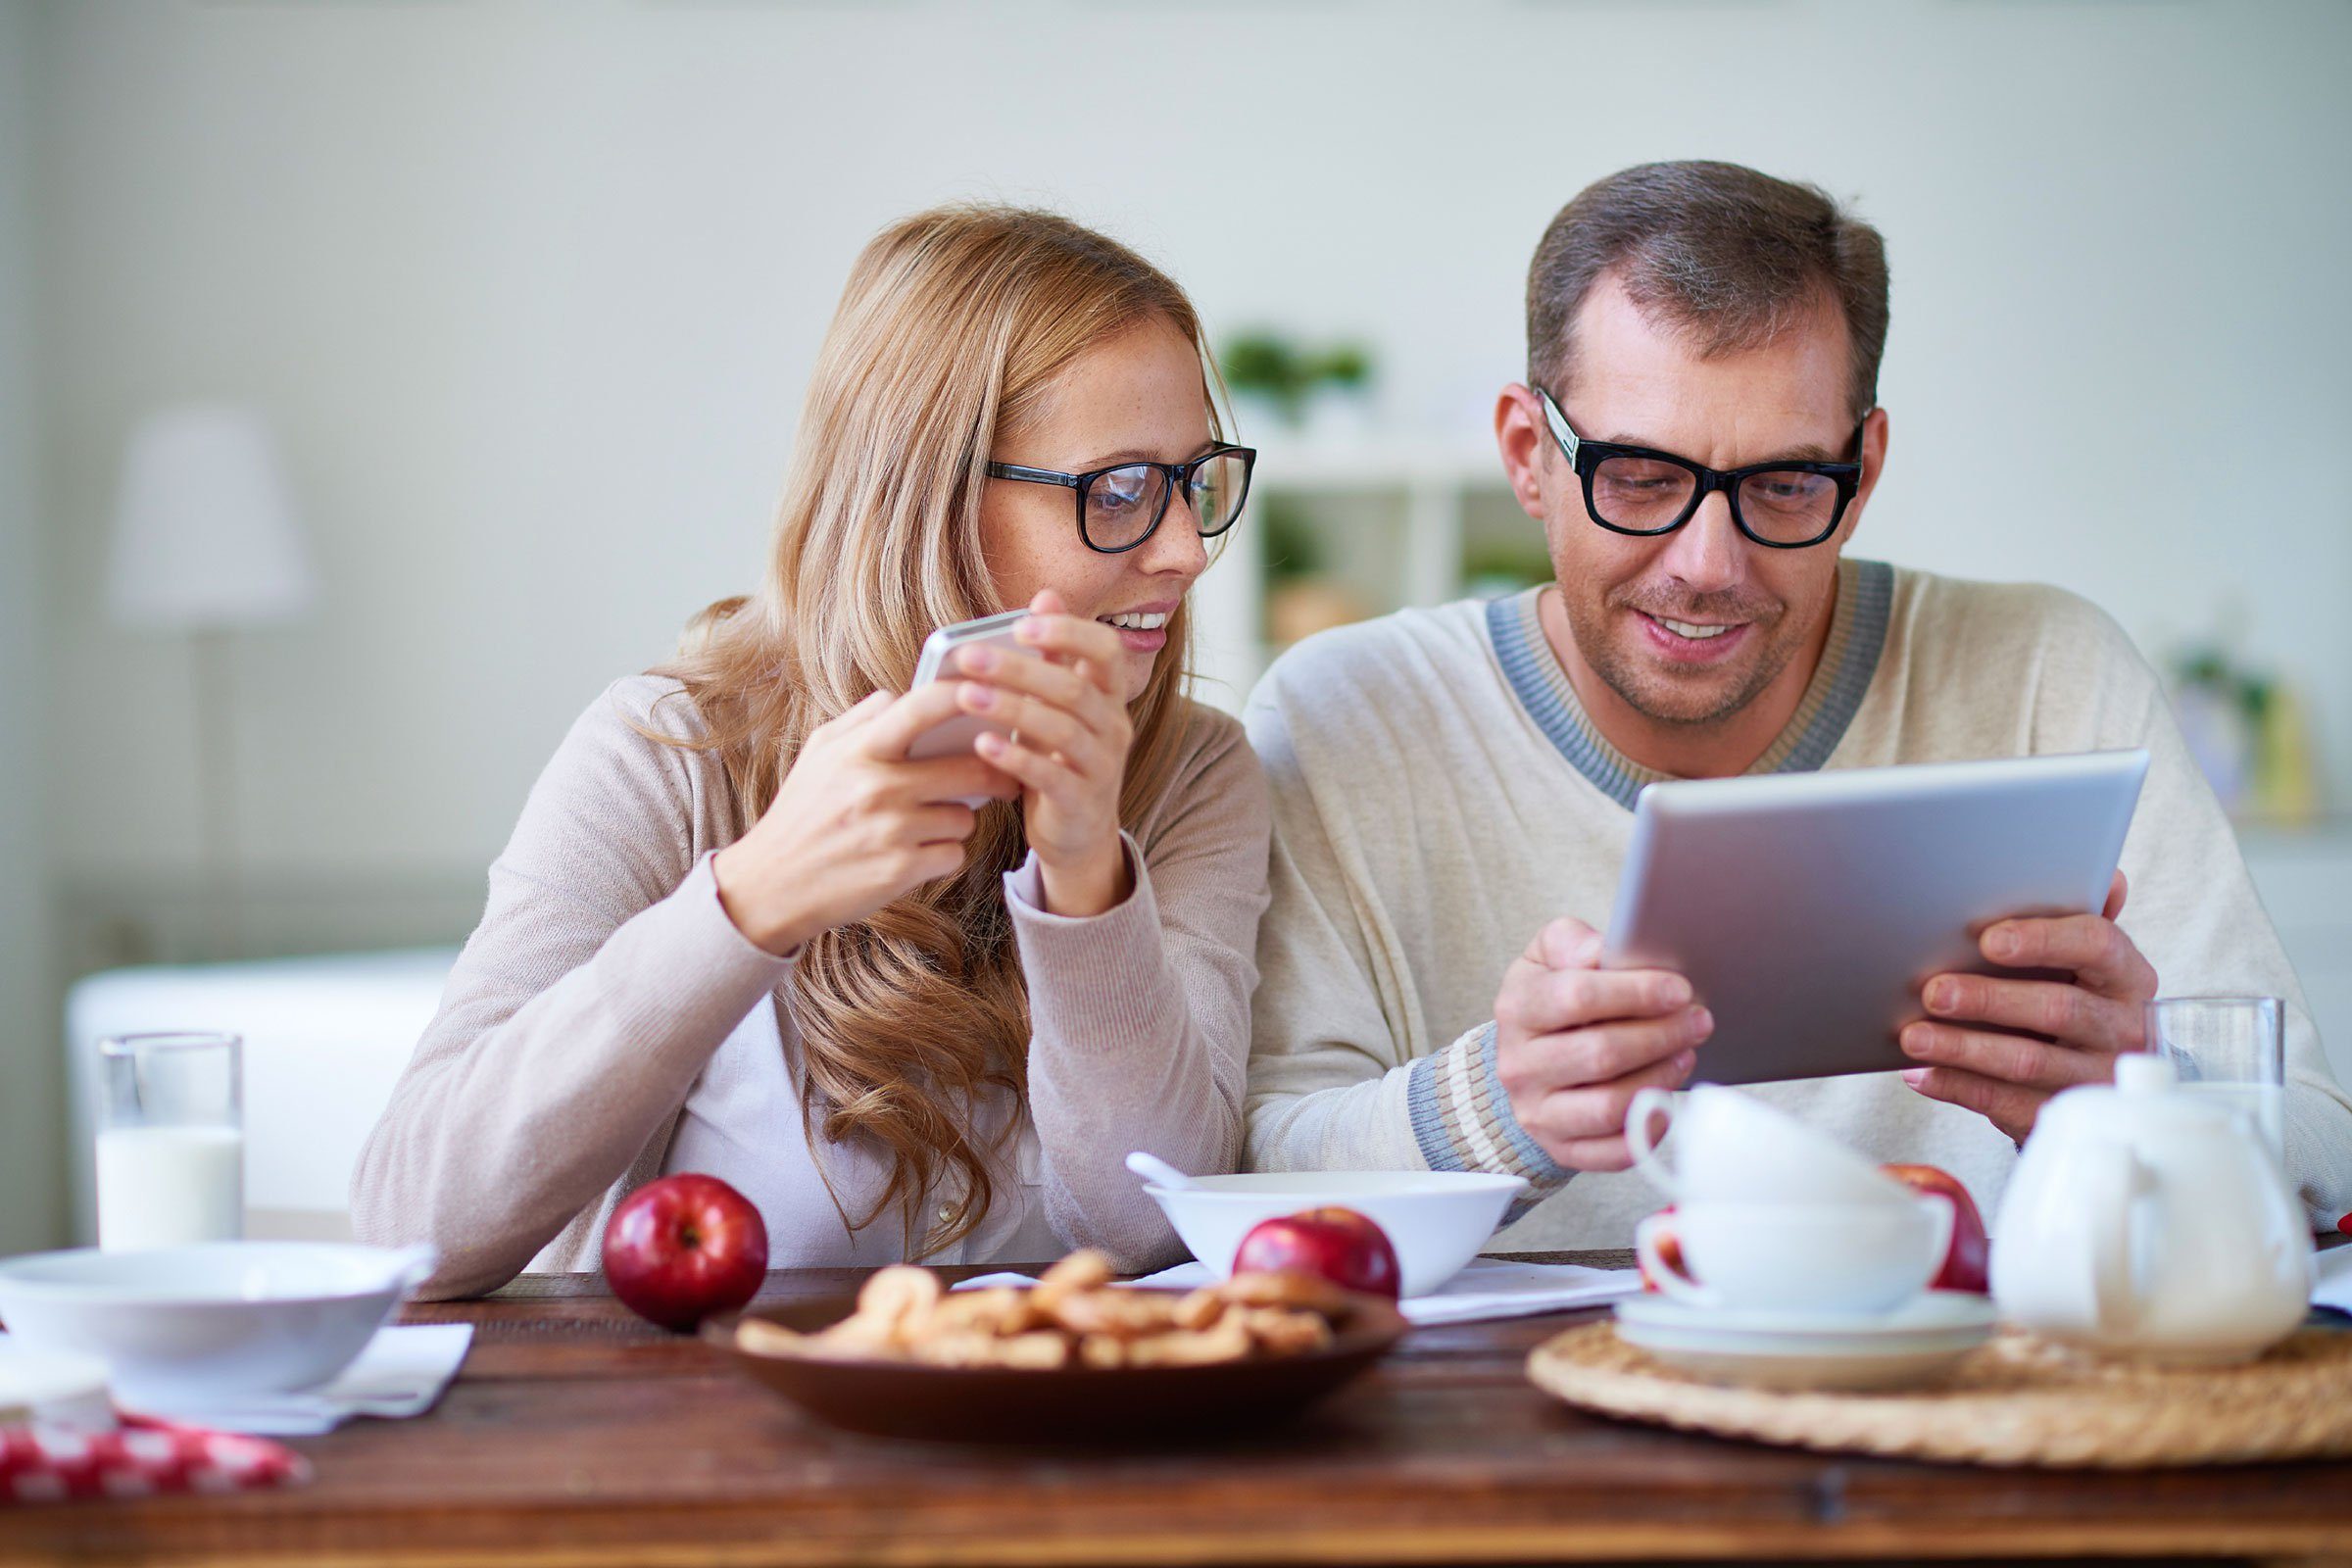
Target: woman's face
1134	397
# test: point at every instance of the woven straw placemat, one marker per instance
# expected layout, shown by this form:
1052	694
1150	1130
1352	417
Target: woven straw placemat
2014	1400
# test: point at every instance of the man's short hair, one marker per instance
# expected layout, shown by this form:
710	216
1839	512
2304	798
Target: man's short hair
1728	256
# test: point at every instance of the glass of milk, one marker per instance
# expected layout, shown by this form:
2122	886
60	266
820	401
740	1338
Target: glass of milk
2232	1051
170	1140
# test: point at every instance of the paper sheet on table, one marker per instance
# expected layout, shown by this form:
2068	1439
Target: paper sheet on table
401	1372
1488	1289
2334	1270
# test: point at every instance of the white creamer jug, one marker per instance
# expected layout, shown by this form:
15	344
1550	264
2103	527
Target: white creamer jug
2142	1222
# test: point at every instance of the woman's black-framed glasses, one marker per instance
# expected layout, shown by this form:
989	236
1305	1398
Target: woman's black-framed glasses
1636	490
1121	506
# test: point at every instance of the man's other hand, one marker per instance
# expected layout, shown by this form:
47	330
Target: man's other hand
1575	1043
2001	1046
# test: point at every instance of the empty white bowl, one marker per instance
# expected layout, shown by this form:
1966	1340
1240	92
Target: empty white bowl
180	1328
1436	1220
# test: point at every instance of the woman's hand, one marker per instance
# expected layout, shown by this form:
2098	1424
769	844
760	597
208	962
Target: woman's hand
1070	751
855	823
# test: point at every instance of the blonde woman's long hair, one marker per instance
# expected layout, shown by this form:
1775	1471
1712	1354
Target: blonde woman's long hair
953	323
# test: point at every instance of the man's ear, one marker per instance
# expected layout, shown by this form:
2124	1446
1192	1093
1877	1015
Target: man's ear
1874	464
1523	439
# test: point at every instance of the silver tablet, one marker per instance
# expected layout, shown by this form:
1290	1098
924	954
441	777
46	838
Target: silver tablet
1808	909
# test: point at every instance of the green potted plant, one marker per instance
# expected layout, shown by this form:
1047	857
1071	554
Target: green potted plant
1266	377
1340	396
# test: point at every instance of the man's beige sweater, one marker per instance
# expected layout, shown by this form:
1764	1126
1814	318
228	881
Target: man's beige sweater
1439	795
607	1023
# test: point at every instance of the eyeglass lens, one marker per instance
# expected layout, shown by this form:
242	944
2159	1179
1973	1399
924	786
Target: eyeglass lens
1122	505
1785	505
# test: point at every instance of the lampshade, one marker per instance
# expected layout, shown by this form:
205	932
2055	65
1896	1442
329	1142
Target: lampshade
204	526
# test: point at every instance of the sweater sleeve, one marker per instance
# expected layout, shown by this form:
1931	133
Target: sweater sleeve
1332	1083
2192	910
1140	1017
603	975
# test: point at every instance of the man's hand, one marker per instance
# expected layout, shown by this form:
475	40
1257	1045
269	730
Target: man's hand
2001	1046
1574	1042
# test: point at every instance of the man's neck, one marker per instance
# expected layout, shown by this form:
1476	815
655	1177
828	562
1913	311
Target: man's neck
1718	750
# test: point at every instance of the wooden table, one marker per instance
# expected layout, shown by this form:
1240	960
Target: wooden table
576	1434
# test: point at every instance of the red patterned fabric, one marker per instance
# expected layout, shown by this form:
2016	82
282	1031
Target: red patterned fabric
144	1459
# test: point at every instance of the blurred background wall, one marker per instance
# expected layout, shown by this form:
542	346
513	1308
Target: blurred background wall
28	1143
528	289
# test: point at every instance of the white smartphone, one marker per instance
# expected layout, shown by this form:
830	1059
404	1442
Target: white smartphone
954	736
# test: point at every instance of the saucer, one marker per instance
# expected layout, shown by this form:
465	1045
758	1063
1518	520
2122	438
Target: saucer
1915	1341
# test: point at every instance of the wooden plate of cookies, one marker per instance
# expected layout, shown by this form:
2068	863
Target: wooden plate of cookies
1074	1358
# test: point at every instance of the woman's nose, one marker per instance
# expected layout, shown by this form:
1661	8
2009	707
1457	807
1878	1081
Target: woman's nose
1176	545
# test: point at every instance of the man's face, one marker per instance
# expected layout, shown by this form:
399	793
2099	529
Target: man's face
1689	628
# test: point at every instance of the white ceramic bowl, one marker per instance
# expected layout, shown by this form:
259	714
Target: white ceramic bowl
1437	1220
184	1327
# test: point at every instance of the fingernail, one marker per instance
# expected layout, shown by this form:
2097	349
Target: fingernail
1941	995
979	697
2003	943
1674	991
1703	1021
1917	1042
979	661
1030	630
1915	1076
989	743
1685	1063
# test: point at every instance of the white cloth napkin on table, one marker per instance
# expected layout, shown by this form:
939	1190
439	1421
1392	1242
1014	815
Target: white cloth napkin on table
2333	1267
401	1372
1488	1289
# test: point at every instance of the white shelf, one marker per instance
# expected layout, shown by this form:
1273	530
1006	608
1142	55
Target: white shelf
1401	462
1403	493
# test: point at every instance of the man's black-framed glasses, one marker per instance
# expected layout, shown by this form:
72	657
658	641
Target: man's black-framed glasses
1636	490
1121	506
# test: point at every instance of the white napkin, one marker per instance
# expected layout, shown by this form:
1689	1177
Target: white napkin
1488	1289
2334	1270
401	1372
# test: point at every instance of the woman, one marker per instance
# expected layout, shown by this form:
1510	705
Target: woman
737	931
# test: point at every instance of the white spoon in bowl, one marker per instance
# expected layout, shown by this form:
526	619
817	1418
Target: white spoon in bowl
1159	1173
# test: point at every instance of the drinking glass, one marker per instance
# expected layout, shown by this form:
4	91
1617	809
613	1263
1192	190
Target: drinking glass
170	1140
2233	1050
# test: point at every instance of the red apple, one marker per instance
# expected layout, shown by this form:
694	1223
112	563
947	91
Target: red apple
1335	1245
1669	1253
1964	1262
685	1246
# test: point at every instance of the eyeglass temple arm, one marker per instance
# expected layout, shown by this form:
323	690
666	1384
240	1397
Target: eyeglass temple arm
1558	423
1014	471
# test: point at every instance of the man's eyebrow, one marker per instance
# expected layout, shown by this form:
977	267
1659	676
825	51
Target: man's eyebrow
1810	452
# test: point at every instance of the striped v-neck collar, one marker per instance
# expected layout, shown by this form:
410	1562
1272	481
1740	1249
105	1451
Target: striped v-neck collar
1857	636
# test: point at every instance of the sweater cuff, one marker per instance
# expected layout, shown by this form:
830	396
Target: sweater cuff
1094	978
1462	1118
1025	890
707	951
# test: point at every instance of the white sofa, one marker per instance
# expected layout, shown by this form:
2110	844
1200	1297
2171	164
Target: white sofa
325	1039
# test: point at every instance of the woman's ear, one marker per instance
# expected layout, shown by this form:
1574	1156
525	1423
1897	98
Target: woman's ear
1522	439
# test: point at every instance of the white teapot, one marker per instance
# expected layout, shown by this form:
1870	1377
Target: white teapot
2144	1222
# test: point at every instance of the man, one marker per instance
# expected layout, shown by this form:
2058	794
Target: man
1453	789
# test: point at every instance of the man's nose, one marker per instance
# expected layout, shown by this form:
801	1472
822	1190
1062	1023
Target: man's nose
1708	553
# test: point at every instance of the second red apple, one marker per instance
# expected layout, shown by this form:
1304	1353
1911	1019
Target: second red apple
1964	1262
1335	1245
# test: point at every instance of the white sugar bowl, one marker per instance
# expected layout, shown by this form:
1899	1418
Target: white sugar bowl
2142	1222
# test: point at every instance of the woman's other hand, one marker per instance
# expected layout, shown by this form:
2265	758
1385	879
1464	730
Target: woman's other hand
1069	751
856	824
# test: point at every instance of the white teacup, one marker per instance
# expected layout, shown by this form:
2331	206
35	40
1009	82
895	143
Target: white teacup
1856	1258
1732	1148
